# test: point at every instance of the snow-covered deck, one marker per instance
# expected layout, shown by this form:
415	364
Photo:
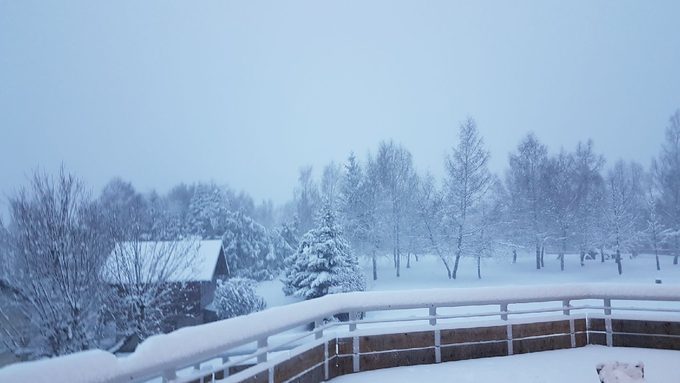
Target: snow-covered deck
561	366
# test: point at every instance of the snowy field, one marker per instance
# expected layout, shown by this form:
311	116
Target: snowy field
561	366
429	272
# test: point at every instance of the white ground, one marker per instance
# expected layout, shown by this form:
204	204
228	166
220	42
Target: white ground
562	366
577	365
429	272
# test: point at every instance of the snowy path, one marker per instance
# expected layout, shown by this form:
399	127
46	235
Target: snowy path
562	366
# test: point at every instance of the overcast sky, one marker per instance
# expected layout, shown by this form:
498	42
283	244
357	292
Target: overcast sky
244	93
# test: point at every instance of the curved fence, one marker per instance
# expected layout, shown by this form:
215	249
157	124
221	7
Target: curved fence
301	343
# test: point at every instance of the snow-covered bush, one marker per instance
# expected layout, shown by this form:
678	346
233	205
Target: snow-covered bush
349	280
236	296
249	249
323	263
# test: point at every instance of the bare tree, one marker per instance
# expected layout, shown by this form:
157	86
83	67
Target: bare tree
307	199
526	185
57	248
590	191
666	170
562	198
623	188
398	183
331	182
430	203
655	229
467	184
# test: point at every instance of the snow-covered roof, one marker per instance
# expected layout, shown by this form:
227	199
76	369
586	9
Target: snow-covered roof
169	261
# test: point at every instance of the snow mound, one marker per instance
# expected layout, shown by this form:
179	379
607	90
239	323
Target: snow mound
618	372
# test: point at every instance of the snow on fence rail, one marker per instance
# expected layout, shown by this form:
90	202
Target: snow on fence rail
162	356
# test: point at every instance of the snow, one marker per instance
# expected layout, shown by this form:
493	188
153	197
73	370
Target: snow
201	342
78	367
202	253
561	366
618	372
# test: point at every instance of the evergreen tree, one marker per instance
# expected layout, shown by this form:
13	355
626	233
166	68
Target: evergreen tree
248	248
324	262
208	212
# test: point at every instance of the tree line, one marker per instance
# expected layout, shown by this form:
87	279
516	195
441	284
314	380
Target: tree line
57	298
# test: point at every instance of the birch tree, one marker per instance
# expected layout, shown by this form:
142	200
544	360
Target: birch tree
525	182
467	183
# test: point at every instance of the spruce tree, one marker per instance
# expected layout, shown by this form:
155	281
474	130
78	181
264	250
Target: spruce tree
323	262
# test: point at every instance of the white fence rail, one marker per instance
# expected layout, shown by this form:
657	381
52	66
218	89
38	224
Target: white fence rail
190	353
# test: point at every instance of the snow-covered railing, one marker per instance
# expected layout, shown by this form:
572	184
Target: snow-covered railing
192	353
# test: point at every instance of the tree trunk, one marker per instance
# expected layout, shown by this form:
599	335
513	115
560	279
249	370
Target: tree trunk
459	250
538	256
514	255
583	257
375	266
398	264
656	254
618	261
564	248
479	265
602	253
408	260
677	250
542	253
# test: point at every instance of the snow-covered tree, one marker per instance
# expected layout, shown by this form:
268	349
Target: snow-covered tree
666	170
654	233
145	277
208	211
331	180
57	249
248	248
525	182
122	204
623	188
467	183
397	183
324	262
236	296
307	199
431	211
562	199
178	201
350	202
590	190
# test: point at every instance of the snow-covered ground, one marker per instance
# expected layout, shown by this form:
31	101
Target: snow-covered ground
429	272
561	366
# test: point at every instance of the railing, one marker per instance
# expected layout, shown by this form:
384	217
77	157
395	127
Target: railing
263	340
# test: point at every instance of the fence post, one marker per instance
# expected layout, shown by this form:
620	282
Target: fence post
225	360
318	330
566	310
508	330
169	375
261	346
608	321
437	335
353	317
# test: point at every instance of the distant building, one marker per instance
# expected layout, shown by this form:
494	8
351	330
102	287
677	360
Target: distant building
192	283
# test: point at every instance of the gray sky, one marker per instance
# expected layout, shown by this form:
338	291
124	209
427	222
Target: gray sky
244	93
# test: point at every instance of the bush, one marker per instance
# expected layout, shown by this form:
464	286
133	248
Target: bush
236	296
